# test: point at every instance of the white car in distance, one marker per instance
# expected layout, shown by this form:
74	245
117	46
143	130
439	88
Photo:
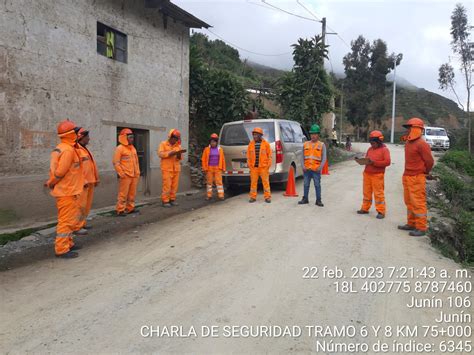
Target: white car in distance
436	137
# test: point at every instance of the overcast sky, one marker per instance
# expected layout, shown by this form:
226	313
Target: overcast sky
418	29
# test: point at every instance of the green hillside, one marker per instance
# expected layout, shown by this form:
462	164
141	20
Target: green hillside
411	101
217	54
422	103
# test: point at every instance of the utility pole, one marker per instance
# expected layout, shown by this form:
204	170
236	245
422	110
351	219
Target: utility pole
323	22
392	133
342	103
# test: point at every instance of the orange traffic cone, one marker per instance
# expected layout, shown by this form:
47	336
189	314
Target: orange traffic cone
325	169
290	185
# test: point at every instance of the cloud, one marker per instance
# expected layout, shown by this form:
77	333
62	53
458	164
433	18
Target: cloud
437	33
417	28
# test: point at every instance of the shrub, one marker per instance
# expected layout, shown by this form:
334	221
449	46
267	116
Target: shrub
459	160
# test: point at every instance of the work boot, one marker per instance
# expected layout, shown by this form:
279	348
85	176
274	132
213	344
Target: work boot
319	203
81	231
252	200
174	203
87	227
406	227
166	204
380	216
68	255
75	247
221	198
303	201
208	198
268	200
362	212
417	233
120	214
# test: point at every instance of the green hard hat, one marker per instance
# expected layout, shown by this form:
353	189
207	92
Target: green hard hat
314	129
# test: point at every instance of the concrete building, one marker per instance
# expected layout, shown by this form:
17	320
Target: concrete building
105	65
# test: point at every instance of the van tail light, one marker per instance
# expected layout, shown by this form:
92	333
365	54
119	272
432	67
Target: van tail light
279	152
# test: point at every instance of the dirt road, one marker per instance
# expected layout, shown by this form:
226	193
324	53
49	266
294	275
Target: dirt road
234	264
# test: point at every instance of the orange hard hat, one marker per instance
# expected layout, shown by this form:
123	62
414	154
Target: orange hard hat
66	126
214	136
176	133
258	130
126	131
414	122
376	134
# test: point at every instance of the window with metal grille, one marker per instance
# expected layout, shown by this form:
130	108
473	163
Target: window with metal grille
111	43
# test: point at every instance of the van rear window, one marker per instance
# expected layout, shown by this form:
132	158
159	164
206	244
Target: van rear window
435	132
241	134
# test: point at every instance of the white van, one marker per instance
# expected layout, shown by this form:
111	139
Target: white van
436	137
286	139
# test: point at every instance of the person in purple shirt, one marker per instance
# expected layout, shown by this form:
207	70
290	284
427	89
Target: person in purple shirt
213	164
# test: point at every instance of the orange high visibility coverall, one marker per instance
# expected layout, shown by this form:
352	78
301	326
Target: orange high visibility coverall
374	176
67	182
262	168
91	179
126	165
213	173
170	169
418	163
313	155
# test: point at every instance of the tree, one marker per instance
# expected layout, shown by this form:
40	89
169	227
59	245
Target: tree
357	83
460	46
306	92
366	68
215	96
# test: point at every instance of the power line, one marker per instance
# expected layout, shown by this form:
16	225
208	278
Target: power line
310	12
288	12
258	4
246	50
342	39
329	59
316	17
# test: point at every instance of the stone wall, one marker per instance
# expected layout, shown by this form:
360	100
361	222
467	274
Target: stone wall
50	70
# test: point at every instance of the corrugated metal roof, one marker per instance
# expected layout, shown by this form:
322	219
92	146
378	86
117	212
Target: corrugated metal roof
167	8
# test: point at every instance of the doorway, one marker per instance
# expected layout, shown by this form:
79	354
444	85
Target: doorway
141	142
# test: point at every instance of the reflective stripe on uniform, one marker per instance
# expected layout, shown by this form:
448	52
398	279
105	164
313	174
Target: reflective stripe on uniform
312	157
63	235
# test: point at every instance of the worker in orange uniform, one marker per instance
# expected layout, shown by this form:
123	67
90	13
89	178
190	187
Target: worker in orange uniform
91	176
170	152
314	160
126	165
259	160
418	164
213	164
378	158
66	181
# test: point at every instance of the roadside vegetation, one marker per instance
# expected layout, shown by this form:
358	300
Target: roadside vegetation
453	201
17	235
